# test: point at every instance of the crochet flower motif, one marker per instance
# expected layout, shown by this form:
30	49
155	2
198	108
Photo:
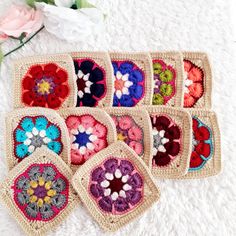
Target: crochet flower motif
34	132
41	192
129	84
129	132
166	140
164	78
202	145
87	137
116	186
91	83
193	82
45	86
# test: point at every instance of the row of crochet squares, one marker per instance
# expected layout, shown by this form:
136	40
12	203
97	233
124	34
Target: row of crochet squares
118	150
99	79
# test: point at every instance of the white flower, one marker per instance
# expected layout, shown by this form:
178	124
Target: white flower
64	3
72	25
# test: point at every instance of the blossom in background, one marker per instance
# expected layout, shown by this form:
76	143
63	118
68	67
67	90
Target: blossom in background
64	3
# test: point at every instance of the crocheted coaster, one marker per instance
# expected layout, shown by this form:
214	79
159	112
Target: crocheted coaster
206	150
28	129
133	79
38	192
90	131
133	126
168	78
116	186
44	81
94	81
197	80
171	131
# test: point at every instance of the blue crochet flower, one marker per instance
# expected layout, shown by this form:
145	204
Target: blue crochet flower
34	132
129	84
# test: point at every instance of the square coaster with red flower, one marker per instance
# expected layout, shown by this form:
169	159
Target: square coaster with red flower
94	78
171	133
197	80
133	127
206	148
116	186
38	192
28	129
168	78
133	79
44	81
90	131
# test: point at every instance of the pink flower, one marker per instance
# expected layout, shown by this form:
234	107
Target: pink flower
125	122
137	147
135	133
20	19
72	122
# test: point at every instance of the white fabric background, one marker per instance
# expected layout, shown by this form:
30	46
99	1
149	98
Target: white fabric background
188	207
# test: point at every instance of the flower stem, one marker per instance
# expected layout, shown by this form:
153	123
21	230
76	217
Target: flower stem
23	43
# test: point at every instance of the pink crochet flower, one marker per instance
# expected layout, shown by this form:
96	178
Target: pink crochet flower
87	136
129	132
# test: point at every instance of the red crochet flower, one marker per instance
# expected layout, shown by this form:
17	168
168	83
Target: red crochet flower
193	82
166	140
202	145
45	86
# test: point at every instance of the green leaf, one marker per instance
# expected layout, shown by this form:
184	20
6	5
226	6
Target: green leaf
1	55
84	4
30	2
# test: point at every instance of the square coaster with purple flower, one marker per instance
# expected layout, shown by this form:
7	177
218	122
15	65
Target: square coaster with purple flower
133	126
90	131
44	81
133	79
168	78
116	186
206	148
172	135
38	193
31	128
197	80
94	79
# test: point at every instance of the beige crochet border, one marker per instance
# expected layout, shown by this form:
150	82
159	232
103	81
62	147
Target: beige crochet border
213	165
103	60
41	155
81	178
176	60
143	61
22	65
179	166
201	59
12	120
141	117
99	115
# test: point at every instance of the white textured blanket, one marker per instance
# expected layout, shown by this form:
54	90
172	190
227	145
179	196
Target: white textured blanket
188	207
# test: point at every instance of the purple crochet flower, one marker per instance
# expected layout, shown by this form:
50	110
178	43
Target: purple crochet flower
116	185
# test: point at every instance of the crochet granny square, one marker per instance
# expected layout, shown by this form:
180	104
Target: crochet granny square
90	131
168	78
44	81
197	80
94	78
133	79
206	150
116	186
31	128
133	126
171	133
38	192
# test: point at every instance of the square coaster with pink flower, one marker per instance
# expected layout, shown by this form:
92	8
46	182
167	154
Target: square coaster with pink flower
31	128
116	186
38	193
90	131
94	79
206	148
133	79
172	135
168	78
44	81
197	80
133	126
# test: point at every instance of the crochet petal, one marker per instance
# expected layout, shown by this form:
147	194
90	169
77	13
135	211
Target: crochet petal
86	66
41	123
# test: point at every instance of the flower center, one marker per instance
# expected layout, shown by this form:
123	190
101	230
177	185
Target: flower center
194	143
121	137
37	141
119	84
81	84
40	192
82	139
157	140
116	185
45	86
